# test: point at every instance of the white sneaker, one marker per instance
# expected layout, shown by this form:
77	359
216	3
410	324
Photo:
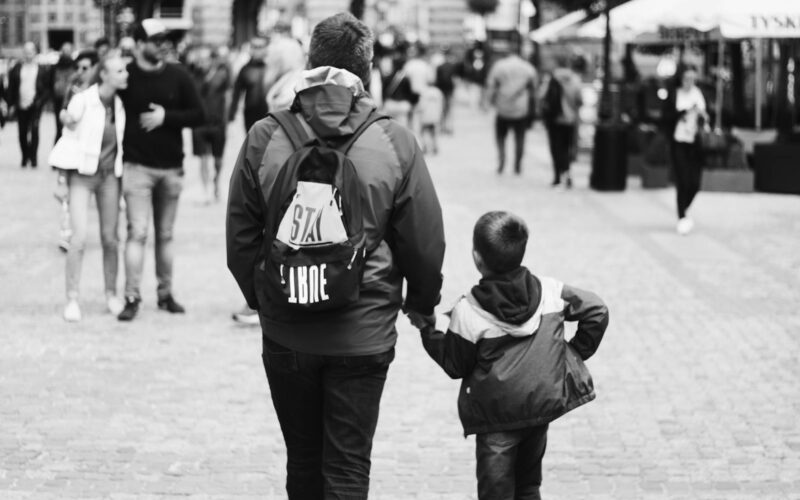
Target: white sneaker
114	304
72	311
685	226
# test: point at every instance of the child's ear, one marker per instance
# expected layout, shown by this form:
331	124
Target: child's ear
476	257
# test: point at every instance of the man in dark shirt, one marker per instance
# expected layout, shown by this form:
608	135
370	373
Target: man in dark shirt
250	81
27	94
160	101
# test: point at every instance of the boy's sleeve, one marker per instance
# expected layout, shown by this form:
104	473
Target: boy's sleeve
592	316
455	354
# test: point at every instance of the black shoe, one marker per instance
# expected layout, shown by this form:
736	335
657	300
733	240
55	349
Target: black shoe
130	310
569	182
169	304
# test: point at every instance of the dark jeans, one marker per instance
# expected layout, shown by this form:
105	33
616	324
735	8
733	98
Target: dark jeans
688	172
327	407
510	463
28	123
561	138
501	126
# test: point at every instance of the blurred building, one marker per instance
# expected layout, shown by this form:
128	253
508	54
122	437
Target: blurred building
48	23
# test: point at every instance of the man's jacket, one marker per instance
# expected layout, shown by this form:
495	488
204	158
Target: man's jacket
506	341
42	87
402	220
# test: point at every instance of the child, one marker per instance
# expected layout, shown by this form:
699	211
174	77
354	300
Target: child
429	112
506	341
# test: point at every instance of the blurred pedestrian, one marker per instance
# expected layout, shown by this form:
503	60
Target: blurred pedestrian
326	369
561	102
398	96
102	45
506	342
160	101
445	81
90	152
61	74
429	117
511	89
28	84
250	82
685	114
213	79
285	64
81	80
420	74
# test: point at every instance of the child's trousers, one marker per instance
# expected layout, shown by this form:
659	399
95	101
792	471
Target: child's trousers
510	463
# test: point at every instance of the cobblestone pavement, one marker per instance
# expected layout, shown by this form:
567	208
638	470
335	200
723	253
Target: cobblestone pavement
696	380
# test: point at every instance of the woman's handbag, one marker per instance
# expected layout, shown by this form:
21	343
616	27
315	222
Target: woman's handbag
712	141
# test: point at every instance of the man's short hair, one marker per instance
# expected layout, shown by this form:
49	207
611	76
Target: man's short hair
344	42
100	42
500	238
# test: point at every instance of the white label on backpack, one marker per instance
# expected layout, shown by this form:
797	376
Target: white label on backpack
307	284
313	217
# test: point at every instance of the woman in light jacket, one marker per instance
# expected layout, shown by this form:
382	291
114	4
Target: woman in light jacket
92	152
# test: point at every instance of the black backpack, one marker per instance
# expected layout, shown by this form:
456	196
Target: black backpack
314	236
551	103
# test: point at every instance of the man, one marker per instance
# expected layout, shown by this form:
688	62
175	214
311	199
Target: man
212	78
250	81
27	93
61	75
511	89
326	371
160	101
561	103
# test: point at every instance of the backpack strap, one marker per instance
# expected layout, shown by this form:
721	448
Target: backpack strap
290	124
371	118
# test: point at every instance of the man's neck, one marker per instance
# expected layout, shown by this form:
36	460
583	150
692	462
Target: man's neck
148	66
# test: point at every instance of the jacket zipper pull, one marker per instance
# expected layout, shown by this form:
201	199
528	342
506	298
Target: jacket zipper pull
353	258
283	281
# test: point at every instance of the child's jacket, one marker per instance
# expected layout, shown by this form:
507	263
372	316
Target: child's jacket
506	341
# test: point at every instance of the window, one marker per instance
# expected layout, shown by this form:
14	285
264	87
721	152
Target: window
51	17
20	29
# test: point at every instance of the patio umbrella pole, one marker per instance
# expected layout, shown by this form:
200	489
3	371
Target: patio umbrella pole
720	89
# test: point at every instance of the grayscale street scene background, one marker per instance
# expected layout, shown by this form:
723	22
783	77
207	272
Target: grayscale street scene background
696	378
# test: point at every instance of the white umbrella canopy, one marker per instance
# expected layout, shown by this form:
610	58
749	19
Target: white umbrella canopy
562	27
733	18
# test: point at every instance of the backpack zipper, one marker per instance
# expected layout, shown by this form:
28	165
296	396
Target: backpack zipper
353	258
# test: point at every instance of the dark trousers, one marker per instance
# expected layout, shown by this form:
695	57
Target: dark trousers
501	126
561	138
688	172
327	407
510	463
28	123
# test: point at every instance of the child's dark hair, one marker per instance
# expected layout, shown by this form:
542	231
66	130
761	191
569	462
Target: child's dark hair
500	239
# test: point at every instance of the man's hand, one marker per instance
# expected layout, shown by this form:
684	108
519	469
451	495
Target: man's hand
420	320
151	120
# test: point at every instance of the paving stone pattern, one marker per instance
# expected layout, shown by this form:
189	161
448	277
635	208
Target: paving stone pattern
696	379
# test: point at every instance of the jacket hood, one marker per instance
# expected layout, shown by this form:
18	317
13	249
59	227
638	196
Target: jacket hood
511	299
332	101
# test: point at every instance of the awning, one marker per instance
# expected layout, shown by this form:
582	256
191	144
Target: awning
560	28
733	18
